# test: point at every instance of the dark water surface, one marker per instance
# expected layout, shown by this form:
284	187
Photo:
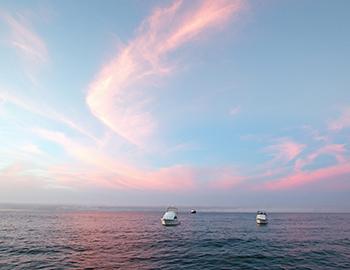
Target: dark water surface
58	239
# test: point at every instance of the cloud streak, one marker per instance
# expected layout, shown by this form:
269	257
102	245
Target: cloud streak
43	111
301	175
113	173
336	150
100	169
284	150
25	40
234	111
116	98
342	122
302	178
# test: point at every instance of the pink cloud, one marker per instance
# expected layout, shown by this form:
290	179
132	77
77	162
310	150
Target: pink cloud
315	134
24	39
284	150
336	150
209	14
110	172
302	178
298	177
343	121
116	98
235	110
42	110
12	170
176	177
19	175
225	179
96	168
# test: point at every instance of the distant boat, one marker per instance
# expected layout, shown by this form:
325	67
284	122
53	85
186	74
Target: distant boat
193	211
170	217
261	217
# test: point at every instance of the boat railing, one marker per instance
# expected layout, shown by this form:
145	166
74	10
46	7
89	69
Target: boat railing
170	208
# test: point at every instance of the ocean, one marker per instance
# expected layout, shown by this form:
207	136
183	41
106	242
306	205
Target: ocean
55	238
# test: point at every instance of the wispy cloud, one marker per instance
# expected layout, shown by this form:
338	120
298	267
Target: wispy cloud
116	98
298	179
32	149
234	111
343	121
226	178
42	110
301	174
110	172
11	170
25	40
336	150
284	150
18	176
103	170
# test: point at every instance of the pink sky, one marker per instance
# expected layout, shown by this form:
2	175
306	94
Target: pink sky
194	99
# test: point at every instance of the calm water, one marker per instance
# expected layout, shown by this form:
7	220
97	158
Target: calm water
56	239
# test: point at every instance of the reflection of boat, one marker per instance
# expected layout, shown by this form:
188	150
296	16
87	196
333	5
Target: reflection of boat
261	217
170	217
193	211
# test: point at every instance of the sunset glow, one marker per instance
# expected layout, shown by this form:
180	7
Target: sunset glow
207	101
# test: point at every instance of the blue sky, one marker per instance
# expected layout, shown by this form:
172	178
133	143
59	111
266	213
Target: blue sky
223	103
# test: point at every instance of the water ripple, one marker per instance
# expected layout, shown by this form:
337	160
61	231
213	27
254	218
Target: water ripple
136	240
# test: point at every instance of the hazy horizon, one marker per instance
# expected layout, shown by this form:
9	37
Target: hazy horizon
161	208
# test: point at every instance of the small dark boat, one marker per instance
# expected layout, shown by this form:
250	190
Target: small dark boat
193	211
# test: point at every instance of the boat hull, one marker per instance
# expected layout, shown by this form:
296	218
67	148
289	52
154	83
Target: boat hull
261	221
169	222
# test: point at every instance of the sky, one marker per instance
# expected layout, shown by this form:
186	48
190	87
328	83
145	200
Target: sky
225	103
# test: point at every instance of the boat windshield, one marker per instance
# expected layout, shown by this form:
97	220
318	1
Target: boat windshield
170	215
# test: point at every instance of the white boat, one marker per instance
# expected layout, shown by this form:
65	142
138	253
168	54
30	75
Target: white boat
170	217
193	211
261	217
